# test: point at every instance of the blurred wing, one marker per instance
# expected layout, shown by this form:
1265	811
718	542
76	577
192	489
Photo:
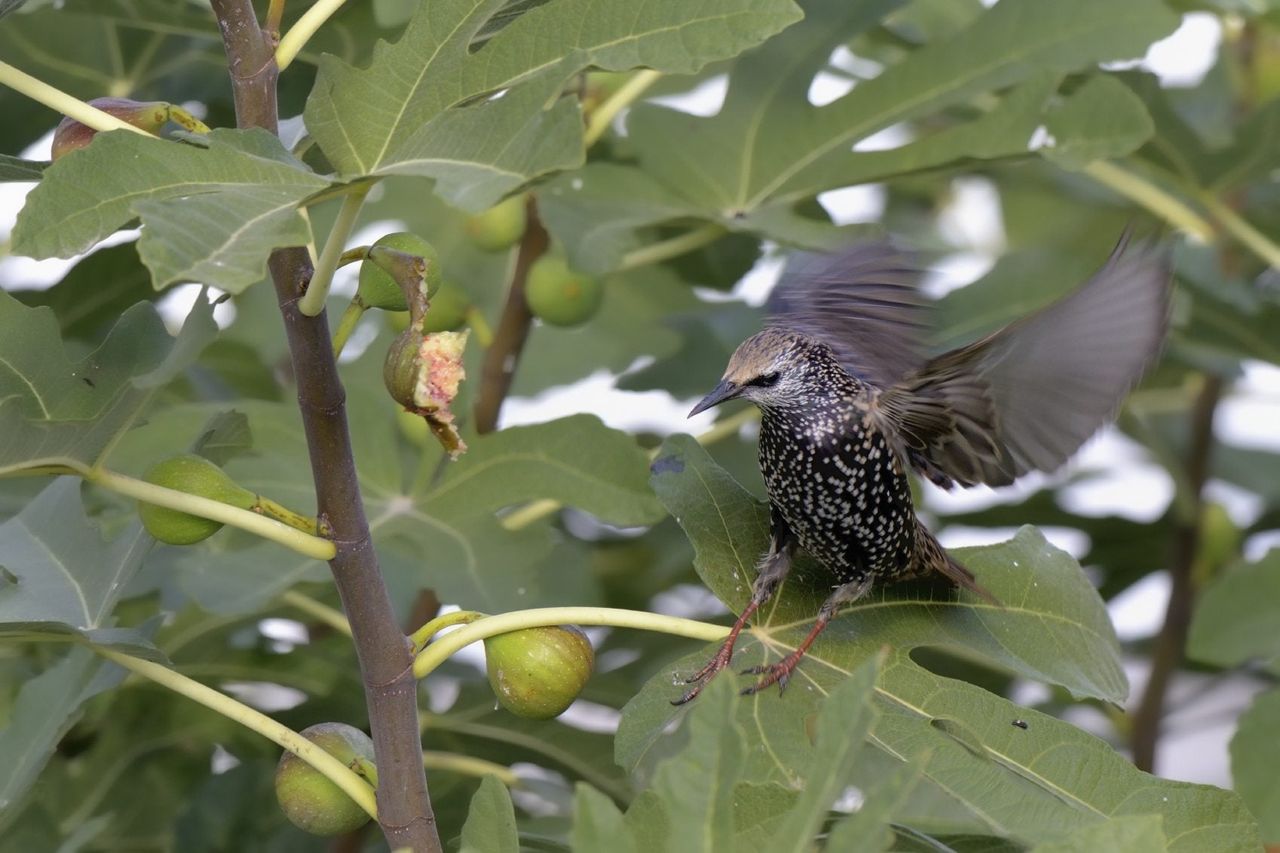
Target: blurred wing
1026	397
862	303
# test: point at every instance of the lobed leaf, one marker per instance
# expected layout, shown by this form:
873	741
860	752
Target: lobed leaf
482	116
60	412
1035	780
209	214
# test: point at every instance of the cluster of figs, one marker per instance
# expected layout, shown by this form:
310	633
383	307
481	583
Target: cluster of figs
535	673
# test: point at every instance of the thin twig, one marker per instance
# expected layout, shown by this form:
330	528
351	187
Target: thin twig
1172	639
404	806
513	328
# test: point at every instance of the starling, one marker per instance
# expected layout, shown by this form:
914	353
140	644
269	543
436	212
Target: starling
849	404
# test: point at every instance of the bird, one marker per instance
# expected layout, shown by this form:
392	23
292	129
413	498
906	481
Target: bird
851	402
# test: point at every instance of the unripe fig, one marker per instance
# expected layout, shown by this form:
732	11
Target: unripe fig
448	309
422	374
1219	541
148	115
538	672
194	475
378	287
312	802
499	227
558	295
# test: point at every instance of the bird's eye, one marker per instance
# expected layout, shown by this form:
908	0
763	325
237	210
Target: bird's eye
764	380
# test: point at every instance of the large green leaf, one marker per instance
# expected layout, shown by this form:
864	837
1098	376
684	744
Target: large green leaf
769	145
980	772
1101	120
95	292
428	105
1254	754
210	214
843	723
55	410
1234	619
491	823
576	460
1136	834
63	581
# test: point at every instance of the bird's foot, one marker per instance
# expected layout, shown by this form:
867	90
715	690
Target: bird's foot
700	678
777	673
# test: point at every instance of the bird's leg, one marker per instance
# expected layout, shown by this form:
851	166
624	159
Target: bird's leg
773	568
780	673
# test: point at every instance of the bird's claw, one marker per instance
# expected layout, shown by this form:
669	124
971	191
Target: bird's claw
700	678
778	673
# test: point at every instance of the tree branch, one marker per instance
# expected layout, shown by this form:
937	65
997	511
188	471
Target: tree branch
404	807
513	329
1169	645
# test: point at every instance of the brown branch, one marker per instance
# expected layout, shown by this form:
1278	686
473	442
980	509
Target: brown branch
1172	639
513	329
386	664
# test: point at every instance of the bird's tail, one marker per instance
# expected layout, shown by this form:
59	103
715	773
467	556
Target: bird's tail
934	558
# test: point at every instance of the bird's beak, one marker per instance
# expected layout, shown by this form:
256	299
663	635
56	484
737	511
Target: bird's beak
726	390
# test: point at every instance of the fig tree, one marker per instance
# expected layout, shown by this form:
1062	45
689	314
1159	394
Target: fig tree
558	295
194	475
308	798
378	287
537	672
499	227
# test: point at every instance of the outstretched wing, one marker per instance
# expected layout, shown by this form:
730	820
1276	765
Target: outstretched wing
1026	397
862	303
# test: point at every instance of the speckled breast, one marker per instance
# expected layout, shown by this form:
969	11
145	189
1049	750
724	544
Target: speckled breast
836	482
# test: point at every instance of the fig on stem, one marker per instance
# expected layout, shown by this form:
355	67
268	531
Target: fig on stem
558	295
379	287
150	116
537	672
194	475
308	798
499	227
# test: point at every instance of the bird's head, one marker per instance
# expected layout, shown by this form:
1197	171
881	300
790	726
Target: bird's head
768	368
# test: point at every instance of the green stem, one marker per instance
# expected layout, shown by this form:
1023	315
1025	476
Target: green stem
1155	199
56	99
317	610
421	637
628	92
333	769
271	509
1248	236
673	248
540	509
469	766
312	302
347	324
267	528
490	626
292	42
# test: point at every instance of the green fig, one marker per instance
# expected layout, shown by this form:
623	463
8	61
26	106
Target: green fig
378	287
558	295
448	309
194	475
308	798
537	672
499	227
